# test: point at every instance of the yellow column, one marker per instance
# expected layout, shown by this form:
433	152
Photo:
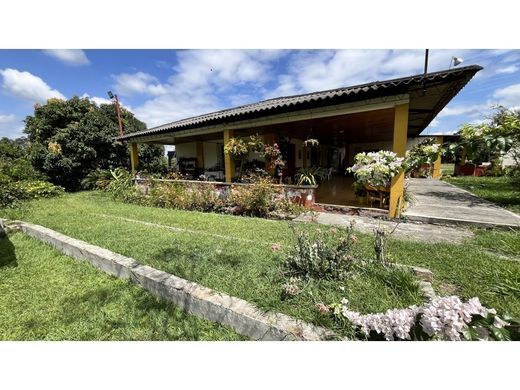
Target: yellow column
399	147
134	157
200	154
437	173
229	163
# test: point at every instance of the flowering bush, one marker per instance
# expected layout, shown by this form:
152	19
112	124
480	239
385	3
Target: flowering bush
425	152
376	169
256	199
236	148
327	256
445	318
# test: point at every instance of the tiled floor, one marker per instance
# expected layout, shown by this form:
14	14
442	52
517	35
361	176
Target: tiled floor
338	191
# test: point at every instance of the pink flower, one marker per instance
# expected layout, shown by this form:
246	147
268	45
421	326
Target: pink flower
322	308
276	247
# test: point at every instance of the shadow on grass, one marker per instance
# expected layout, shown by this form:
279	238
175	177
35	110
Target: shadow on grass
7	253
194	265
112	316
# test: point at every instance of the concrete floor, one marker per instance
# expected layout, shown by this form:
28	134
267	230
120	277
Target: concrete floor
421	232
436	201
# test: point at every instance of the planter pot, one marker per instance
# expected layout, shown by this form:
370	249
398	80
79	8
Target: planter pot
466	170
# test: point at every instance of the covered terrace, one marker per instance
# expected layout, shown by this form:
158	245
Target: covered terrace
382	115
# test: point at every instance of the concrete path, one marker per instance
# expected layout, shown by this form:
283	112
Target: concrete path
404	231
436	201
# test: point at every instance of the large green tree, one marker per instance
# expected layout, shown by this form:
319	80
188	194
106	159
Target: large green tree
70	138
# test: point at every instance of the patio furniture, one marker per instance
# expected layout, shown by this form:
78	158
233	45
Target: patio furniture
377	194
214	175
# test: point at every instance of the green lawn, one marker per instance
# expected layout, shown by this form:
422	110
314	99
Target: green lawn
233	255
45	295
504	190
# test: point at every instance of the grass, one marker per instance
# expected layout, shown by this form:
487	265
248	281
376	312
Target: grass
503	190
233	255
45	295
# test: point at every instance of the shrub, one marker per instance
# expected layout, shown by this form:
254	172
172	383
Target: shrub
376	168
35	189
97	179
12	192
258	198
19	169
328	255
121	186
185	196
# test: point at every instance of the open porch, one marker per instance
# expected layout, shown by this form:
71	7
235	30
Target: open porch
386	115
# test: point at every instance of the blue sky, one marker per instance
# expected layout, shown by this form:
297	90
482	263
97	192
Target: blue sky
160	86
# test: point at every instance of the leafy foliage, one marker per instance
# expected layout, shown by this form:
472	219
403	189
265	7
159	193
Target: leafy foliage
257	198
68	139
326	256
309	176
376	168
426	152
490	141
18	179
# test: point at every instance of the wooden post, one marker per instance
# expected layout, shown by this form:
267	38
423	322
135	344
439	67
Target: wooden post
399	147
134	157
229	163
437	173
200	154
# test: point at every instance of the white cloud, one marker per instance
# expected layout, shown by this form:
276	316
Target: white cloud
138	83
508	69
198	79
97	99
10	127
508	96
472	110
25	85
7	118
207	80
69	56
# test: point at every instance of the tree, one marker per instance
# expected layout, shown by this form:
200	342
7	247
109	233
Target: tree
490	141
70	138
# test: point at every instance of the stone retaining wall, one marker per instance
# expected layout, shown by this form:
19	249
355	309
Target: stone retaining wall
243	317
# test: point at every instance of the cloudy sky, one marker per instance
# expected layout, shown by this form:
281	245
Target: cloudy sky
161	86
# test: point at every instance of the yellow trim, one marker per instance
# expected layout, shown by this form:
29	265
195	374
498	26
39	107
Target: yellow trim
399	147
436	174
229	164
134	157
200	154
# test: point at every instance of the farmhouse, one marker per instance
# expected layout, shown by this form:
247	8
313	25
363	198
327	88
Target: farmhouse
381	115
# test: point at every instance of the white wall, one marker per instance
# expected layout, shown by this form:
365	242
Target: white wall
210	154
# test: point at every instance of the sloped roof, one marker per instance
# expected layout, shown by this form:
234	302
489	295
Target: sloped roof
458	77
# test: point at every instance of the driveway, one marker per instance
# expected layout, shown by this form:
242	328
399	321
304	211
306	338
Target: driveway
436	201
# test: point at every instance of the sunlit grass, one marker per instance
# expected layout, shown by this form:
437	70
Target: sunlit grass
45	295
244	265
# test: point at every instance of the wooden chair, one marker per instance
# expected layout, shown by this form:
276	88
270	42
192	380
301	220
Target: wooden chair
377	194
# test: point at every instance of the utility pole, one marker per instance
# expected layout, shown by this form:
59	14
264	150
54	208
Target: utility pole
118	111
